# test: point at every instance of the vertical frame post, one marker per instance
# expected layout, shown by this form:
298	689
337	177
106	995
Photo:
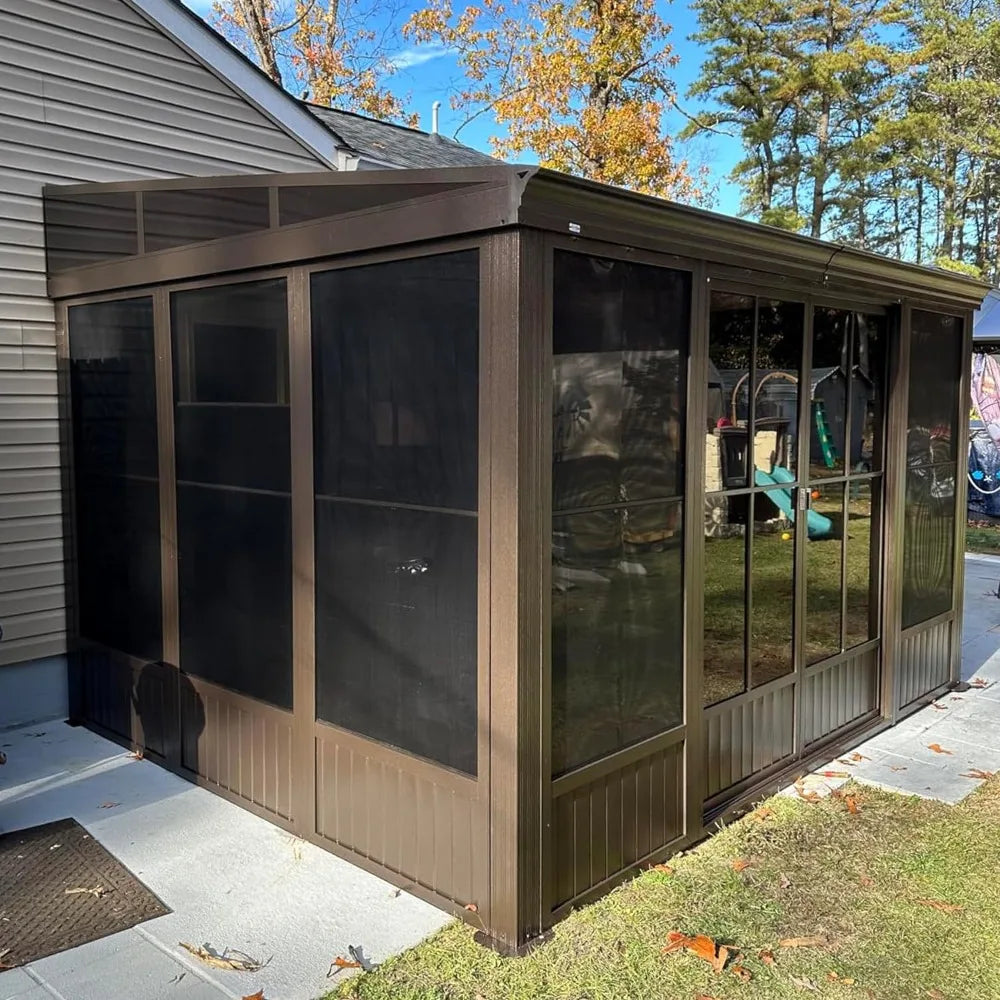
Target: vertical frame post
168	516
74	667
303	553
513	336
695	784
894	510
961	496
800	532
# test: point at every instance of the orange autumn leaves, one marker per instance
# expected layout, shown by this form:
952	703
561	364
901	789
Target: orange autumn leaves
705	948
583	85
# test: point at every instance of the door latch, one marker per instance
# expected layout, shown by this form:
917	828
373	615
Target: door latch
803	498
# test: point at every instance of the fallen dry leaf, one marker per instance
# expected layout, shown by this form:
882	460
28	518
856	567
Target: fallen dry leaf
809	796
340	963
703	996
935	994
136	755
834	774
866	881
852	804
96	892
234	960
940	708
259	995
763	813
937	748
666	869
804	984
767	956
978	682
472	907
809	941
108	805
898	767
741	972
859	756
849	763
976	773
833	977
784	882
941	905
701	946
675	941
740	864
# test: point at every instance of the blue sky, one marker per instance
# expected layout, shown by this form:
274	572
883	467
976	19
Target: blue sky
427	75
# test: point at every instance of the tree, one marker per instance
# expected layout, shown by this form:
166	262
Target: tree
325	48
792	78
583	84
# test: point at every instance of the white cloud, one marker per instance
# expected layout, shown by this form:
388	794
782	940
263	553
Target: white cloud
408	58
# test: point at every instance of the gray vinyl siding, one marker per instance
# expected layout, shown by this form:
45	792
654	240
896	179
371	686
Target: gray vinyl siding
89	91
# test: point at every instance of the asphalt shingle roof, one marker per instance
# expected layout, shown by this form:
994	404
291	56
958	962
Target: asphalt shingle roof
397	145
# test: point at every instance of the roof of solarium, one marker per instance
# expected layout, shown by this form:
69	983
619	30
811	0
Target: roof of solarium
107	236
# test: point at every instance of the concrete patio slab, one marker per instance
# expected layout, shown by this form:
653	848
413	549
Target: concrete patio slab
967	725
232	880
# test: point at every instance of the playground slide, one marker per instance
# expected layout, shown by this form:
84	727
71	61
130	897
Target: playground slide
817	525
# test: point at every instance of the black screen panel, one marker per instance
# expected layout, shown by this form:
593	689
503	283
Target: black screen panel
116	488
231	435
396	627
396	381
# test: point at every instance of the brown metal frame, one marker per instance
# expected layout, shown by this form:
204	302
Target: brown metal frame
517	217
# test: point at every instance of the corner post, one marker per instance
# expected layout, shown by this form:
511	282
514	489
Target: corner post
514	392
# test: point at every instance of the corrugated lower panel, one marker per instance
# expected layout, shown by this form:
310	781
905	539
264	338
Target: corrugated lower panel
601	828
837	695
107	684
747	736
238	744
924	661
432	833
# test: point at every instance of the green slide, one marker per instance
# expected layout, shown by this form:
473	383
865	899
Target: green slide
817	525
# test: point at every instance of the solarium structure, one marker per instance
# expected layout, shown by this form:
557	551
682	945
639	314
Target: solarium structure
497	530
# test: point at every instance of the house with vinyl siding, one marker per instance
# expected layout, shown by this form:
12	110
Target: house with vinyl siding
105	91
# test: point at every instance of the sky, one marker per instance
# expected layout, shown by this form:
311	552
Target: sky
427	74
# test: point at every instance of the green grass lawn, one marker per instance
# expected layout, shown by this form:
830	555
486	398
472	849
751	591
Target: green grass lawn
854	880
982	536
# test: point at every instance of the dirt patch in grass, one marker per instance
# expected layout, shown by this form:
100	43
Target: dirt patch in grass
902	896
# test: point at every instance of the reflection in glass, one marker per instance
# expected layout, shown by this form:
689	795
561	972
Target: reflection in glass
828	385
115	471
933	411
824	565
935	379
617	630
730	340
725	617
867	420
231	431
777	371
772	589
928	542
862	543
618	381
